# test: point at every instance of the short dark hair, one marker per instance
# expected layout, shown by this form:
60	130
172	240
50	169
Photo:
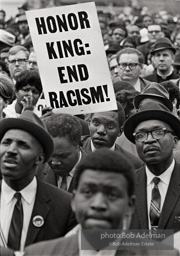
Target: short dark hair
106	160
121	114
130	40
121	26
131	51
64	125
30	77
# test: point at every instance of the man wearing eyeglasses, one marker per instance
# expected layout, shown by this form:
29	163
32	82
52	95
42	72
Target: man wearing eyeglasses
155	132
130	64
17	58
154	32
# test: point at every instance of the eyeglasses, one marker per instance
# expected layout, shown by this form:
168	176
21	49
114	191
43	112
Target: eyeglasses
19	61
131	66
154	31
32	63
156	134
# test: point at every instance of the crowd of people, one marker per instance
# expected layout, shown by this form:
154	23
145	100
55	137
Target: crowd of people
62	175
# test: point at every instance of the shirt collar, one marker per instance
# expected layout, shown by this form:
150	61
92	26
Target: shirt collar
137	86
93	148
27	193
165	176
165	76
74	168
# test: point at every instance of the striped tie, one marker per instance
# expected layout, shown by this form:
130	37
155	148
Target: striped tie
155	204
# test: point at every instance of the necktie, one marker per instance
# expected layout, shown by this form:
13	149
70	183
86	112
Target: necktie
155	204
15	230
64	183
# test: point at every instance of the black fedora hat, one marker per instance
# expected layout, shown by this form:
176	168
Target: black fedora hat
156	91
163	44
151	111
31	123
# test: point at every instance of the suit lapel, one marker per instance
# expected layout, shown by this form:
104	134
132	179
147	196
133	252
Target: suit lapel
141	202
40	208
172	197
50	176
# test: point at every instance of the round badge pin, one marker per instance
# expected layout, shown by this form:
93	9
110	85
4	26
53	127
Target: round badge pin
38	221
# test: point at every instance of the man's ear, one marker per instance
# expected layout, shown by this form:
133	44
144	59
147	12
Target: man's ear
131	205
120	131
176	140
40	159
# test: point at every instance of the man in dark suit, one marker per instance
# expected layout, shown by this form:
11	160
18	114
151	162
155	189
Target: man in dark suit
45	211
103	200
104	129
156	133
65	130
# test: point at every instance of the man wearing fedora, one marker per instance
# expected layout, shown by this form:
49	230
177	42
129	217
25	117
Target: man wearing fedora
156	131
163	56
154	92
30	210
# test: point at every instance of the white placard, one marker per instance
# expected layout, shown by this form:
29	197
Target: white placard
71	58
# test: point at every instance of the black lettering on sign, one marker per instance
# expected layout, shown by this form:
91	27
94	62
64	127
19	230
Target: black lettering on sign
70	97
51	23
41	26
51	52
78	97
65	22
54	100
62	75
73	73
83	18
65	49
62	23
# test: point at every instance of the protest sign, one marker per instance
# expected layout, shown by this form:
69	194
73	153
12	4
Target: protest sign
71	58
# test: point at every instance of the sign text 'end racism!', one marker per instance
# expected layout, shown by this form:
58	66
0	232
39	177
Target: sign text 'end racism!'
79	97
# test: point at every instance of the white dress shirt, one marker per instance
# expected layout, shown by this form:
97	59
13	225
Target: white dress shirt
162	185
137	86
7	203
93	148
